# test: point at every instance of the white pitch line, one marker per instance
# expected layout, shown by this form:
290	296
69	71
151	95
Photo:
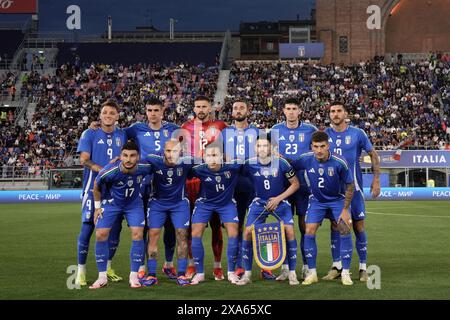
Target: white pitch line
407	215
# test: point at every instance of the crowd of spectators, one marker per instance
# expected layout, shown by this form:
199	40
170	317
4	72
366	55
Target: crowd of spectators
68	101
395	103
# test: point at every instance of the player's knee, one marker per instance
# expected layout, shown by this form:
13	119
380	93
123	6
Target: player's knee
101	234
154	233
290	234
196	231
137	235
247	234
343	229
310	230
233	231
181	234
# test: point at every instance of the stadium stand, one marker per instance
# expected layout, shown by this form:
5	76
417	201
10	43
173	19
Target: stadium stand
65	102
395	103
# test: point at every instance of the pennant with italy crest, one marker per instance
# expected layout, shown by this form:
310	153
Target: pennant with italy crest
269	245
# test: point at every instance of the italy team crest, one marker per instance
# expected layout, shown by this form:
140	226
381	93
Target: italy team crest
301	137
269	245
330	171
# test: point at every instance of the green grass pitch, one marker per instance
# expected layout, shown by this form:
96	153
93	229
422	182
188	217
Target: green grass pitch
407	240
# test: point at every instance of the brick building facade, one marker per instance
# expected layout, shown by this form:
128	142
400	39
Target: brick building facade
406	26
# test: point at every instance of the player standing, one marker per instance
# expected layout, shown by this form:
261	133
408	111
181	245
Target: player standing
97	148
294	139
349	142
217	183
151	138
168	201
269	175
116	194
202	131
329	177
239	140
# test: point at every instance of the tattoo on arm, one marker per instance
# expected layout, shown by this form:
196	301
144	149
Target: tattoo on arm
85	160
375	163
91	165
349	195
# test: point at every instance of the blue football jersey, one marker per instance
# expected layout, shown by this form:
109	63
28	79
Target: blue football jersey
349	144
103	147
294	142
240	144
120	189
269	180
169	182
217	187
150	141
327	180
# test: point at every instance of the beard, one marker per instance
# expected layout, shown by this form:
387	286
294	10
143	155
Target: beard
337	122
240	118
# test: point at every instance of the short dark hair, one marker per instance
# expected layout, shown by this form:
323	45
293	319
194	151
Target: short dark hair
215	144
338	103
241	99
131	145
202	98
319	136
153	102
265	136
111	103
292	101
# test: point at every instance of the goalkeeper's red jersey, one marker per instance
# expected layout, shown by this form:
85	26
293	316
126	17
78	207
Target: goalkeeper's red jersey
203	133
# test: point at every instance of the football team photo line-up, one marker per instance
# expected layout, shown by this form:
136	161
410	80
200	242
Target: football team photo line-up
157	175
